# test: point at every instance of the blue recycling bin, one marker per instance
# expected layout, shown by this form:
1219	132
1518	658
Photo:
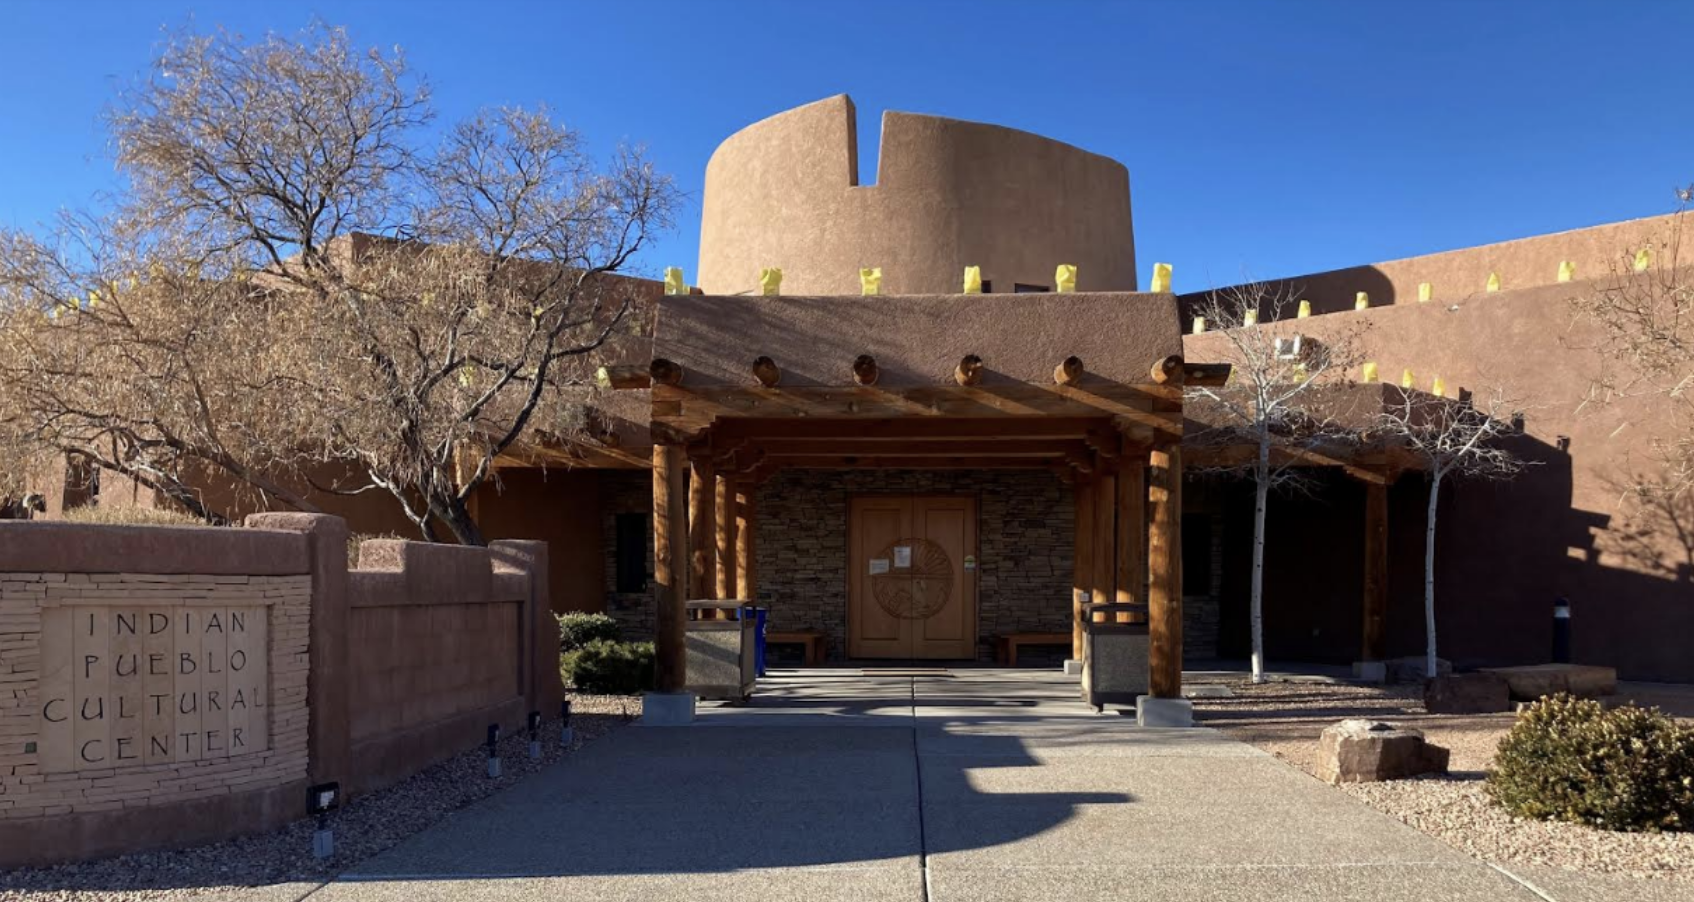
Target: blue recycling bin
763	614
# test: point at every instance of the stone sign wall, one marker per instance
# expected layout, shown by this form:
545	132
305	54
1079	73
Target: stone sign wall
135	689
142	702
166	686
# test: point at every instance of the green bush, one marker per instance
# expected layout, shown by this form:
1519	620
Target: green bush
604	667
1568	759
577	629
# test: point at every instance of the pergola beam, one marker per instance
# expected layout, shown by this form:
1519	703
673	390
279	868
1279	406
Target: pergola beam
902	429
688	412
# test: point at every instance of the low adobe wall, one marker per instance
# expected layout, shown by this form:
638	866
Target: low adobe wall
169	686
437	650
153	686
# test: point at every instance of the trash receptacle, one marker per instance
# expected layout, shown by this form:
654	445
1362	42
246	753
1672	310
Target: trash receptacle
720	644
1114	654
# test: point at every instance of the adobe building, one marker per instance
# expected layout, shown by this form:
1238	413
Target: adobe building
917	474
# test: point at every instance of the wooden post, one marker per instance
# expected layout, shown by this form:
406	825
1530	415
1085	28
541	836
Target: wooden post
1103	589
1164	568
1376	572
670	539
1132	532
747	541
1082	583
726	522
702	530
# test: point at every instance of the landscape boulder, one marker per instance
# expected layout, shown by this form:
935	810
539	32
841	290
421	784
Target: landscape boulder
1534	681
1366	751
1415	668
1467	693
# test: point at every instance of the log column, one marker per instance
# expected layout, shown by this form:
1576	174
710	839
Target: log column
702	530
1164	568
670	543
747	541
1103	589
1082	581
1376	573
726	523
1132	531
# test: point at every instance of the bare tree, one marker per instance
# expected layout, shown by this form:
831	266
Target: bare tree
303	276
1284	408
1449	439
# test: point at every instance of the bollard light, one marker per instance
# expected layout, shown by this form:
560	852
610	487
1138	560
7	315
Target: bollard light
565	733
321	799
535	735
493	750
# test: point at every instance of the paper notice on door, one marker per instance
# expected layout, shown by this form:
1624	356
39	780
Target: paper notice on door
879	565
902	556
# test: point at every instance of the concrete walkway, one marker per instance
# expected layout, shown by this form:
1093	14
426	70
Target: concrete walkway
978	785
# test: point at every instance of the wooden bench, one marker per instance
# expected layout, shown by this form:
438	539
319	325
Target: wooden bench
1006	645
814	641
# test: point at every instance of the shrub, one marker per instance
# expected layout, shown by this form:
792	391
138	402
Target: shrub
577	629
603	667
1572	760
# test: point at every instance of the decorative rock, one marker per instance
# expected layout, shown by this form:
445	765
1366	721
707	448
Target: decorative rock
1470	693
1366	751
1533	681
1415	668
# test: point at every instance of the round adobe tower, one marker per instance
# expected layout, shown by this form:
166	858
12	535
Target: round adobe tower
785	192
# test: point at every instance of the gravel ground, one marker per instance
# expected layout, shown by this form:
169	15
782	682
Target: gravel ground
366	826
1285	718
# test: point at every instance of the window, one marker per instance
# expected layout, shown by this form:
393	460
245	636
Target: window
1021	288
631	553
1288	348
987	286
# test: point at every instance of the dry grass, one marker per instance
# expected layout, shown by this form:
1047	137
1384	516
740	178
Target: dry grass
130	515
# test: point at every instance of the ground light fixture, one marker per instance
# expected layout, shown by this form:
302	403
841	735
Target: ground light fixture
321	799
565	733
535	735
493	750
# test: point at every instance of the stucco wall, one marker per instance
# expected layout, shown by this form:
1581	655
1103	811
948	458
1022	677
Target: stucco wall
1462	275
949	194
1504	550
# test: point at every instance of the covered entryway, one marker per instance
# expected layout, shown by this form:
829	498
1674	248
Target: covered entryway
1088	386
911	577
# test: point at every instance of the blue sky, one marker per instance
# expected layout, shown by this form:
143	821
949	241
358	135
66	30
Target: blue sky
1262	138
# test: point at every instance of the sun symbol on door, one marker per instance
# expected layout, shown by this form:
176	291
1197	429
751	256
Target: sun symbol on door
917	592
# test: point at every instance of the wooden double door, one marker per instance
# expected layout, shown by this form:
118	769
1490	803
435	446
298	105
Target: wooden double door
911	583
